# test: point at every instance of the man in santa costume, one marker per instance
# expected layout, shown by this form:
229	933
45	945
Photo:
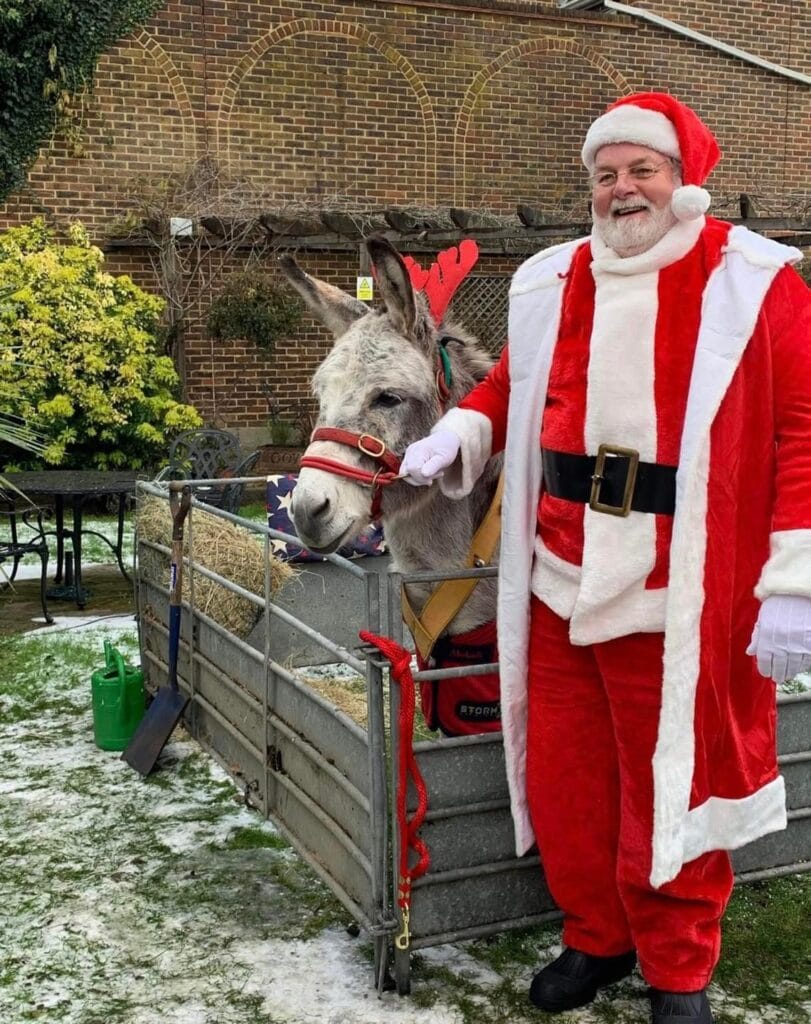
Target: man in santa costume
654	407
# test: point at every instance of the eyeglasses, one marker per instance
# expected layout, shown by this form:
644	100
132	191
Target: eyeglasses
639	172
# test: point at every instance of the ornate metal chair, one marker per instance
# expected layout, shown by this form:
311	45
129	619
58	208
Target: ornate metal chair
210	454
14	545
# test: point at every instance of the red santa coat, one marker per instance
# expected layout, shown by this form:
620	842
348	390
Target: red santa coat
742	527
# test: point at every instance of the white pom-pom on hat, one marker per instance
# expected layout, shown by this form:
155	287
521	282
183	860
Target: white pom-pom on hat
689	202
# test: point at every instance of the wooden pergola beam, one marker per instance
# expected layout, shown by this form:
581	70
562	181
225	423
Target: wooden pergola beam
527	231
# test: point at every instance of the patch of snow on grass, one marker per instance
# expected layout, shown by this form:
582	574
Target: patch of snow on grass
457	960
323	981
801	683
95	551
30	568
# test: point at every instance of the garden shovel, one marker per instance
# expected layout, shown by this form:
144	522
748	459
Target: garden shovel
168	705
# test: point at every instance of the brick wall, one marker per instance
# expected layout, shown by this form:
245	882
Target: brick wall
420	103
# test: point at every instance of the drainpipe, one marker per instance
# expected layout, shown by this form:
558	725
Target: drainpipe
698	37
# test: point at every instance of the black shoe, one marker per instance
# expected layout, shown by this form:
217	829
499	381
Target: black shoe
573	979
680	1007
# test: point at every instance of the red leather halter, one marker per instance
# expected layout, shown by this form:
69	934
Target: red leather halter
387	473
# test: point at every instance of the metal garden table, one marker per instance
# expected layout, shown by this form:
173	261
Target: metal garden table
75	487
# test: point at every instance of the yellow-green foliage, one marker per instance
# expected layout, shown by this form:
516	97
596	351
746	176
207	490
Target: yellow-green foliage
79	359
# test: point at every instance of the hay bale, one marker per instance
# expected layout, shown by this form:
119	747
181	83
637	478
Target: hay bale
220	546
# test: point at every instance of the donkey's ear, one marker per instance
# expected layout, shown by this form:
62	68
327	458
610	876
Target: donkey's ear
394	283
336	310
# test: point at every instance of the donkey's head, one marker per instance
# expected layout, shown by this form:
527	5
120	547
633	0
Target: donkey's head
383	379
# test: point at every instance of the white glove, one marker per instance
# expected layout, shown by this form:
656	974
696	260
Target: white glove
427	459
781	640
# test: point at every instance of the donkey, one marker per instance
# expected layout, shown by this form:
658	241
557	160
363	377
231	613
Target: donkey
381	387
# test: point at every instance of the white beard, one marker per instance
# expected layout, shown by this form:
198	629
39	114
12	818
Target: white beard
630	236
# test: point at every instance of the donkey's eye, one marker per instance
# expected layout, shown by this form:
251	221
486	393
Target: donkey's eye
387	400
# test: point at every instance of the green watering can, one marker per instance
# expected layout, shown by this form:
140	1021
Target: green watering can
119	701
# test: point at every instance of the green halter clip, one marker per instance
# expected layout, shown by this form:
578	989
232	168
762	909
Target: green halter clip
446	366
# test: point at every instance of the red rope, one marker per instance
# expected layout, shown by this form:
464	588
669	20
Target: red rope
407	767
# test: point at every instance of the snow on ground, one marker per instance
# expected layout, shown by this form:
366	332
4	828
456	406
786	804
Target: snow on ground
132	902
27	570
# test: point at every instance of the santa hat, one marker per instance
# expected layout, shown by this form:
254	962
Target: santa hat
660	122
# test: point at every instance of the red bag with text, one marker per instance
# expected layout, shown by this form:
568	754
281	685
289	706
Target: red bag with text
467	704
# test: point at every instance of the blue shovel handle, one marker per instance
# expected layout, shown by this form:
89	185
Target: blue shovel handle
174	643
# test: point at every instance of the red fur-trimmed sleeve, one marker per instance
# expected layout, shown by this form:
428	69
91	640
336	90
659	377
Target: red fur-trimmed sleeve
786	315
491	398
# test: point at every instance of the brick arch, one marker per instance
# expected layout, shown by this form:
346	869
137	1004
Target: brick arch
324	27
163	61
515	53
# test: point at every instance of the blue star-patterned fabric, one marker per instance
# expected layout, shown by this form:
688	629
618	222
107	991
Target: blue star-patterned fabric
279	495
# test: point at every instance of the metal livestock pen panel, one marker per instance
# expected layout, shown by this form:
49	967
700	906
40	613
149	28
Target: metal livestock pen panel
323	779
280	765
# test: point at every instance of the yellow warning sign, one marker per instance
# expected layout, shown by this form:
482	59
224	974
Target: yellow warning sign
364	289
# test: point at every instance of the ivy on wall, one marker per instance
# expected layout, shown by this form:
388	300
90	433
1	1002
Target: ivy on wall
48	53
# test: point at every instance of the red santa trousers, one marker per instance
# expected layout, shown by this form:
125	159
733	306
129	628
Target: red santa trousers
593	718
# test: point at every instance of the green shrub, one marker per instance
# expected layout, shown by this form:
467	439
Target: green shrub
79	360
253	306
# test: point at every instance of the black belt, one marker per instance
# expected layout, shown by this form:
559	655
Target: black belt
613	481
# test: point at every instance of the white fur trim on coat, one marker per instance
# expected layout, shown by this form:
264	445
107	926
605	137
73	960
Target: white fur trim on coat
619	553
610	599
475	431
759	251
788	569
558	584
554	581
534	320
722	824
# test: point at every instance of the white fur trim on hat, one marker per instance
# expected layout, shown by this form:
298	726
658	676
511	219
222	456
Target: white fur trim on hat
631	124
689	202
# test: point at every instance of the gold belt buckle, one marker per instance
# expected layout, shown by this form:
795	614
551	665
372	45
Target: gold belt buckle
630	480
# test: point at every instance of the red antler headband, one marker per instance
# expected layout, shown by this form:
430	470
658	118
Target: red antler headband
443	277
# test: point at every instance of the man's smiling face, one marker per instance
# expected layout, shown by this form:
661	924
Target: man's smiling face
630	214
